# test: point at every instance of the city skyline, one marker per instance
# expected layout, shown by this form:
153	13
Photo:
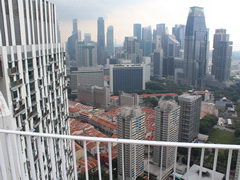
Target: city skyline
155	13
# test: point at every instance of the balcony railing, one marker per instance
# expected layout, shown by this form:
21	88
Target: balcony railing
16	83
121	143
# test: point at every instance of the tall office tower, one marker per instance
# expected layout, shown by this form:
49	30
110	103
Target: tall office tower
179	32
72	41
167	128
86	54
131	126
161	32
196	48
58	33
34	85
75	26
132	50
157	59
168	66
137	31
147	40
101	42
222	55
189	117
87	37
120	77
171	46
110	41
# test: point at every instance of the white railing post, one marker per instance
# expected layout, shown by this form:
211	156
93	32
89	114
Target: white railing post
30	156
123	170
189	158
99	162
2	164
201	163
215	163
74	160
110	160
85	160
175	163
229	164
40	157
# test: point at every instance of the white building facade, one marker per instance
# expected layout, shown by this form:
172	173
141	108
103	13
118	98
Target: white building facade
33	82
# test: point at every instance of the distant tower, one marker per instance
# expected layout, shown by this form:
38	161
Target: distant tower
189	117
167	127
75	26
131	126
137	31
132	49
110	41
179	32
87	38
147	40
101	42
196	48
222	55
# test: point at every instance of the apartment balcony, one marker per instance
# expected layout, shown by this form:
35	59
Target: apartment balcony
16	83
207	166
13	71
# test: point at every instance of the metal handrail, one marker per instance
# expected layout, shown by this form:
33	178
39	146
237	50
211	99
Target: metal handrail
123	141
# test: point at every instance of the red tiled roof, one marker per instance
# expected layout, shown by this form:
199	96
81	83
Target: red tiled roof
148	110
156	95
104	122
92	164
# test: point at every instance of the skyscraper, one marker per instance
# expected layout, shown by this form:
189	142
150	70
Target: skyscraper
34	86
101	42
137	31
167	128
189	117
87	37
131	126
86	54
110	41
132	50
157	59
147	40
222	56
196	48
75	26
179	32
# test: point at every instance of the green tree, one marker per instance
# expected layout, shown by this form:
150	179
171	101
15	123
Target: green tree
207	123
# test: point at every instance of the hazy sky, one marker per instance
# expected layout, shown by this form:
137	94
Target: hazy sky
122	14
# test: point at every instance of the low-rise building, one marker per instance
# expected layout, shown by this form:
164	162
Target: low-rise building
96	96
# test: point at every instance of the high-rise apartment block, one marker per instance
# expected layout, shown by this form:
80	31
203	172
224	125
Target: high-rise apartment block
222	56
33	83
189	117
196	48
101	41
167	128
131	126
110	41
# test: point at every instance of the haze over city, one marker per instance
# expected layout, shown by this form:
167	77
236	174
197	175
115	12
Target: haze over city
122	14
